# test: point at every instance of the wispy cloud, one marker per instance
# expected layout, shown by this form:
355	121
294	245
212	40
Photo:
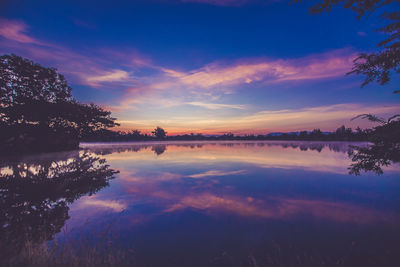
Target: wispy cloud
94	68
16	31
319	66
200	87
264	121
110	76
214	106
321	116
164	95
104	67
212	173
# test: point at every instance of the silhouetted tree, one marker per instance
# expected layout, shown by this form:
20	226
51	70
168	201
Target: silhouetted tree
159	133
376	66
227	136
38	112
316	134
303	135
135	134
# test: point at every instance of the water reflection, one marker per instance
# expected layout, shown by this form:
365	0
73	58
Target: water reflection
35	193
245	197
107	148
374	158
159	149
322	156
212	203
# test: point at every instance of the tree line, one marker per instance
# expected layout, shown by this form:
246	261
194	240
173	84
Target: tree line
341	134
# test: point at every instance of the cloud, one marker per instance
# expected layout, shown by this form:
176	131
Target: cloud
324	117
201	87
214	106
320	116
166	93
198	87
319	66
226	77
16	31
94	68
110	76
215	173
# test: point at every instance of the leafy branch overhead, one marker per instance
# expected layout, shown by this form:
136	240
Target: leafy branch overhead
378	66
374	118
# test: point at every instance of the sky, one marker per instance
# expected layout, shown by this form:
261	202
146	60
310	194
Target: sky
205	66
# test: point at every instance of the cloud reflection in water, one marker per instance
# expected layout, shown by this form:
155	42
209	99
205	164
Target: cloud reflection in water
264	180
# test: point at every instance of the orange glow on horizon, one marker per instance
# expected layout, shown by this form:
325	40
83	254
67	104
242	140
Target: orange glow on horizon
325	118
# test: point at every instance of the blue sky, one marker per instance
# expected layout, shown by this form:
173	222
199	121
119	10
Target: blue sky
204	66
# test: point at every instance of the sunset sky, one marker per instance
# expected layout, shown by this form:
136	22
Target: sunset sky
204	66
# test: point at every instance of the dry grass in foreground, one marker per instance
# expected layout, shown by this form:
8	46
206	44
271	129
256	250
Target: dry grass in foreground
71	254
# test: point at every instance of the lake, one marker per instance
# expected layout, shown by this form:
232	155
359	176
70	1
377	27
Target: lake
226	203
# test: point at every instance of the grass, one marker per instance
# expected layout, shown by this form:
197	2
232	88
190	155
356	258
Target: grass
71	253
95	249
84	253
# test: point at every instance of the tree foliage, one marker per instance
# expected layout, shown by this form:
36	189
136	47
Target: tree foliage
38	112
380	65
159	133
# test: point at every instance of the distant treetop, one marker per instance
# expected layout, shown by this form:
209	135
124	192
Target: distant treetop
159	133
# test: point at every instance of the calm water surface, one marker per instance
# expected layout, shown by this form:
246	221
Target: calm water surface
239	204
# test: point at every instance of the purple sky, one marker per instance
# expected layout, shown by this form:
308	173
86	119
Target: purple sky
204	66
